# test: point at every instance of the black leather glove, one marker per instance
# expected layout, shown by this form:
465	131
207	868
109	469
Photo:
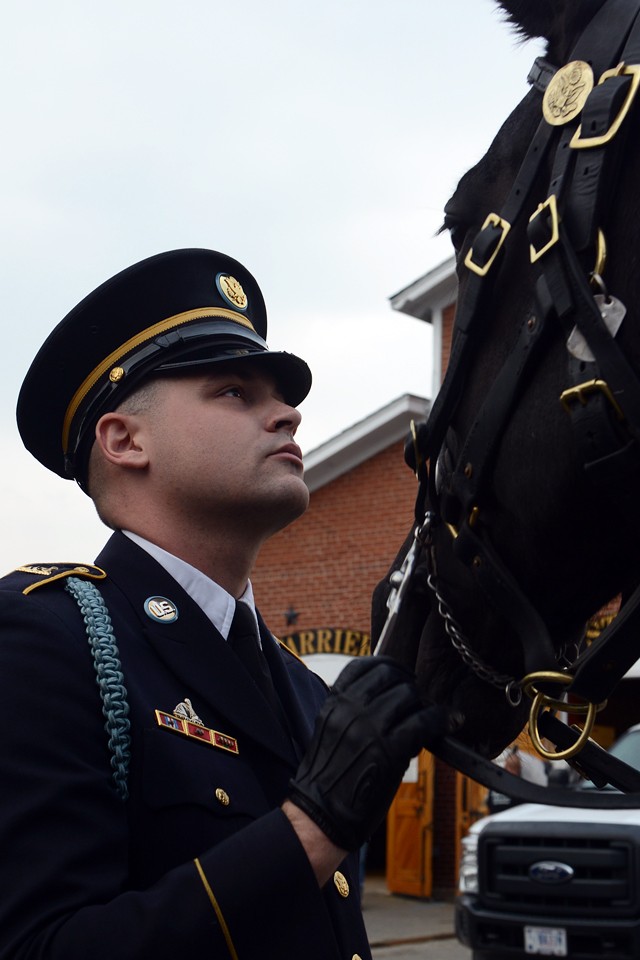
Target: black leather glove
369	728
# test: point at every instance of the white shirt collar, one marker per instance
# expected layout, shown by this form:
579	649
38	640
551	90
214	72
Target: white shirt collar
214	601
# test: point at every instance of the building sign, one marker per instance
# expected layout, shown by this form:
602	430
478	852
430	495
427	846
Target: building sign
349	643
328	650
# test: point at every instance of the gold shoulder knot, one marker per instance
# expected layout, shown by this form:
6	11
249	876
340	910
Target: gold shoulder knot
51	572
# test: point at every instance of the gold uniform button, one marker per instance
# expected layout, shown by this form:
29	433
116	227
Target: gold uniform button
341	883
222	797
356	956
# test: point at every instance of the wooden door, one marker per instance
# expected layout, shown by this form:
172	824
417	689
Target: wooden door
410	831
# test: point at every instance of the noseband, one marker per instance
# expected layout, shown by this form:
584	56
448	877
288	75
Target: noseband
586	105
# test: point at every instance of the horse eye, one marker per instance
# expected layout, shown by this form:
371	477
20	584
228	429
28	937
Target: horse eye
457	230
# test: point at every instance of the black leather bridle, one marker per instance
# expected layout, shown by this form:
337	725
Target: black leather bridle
587	107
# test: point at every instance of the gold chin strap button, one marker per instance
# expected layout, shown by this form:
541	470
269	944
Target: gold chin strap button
341	883
222	797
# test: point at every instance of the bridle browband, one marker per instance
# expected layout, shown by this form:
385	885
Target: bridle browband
586	125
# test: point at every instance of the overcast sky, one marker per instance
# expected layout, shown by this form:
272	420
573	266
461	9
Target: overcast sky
315	142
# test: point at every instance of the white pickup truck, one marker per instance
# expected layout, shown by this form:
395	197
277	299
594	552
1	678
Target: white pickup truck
553	881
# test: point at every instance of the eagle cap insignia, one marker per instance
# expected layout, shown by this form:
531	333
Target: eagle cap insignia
231	290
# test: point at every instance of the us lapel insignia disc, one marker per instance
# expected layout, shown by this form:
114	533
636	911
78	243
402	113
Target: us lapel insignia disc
187	728
161	609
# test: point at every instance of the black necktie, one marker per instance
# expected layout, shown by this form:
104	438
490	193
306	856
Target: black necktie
243	639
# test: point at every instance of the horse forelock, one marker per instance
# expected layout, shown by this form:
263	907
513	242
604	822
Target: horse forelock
557	21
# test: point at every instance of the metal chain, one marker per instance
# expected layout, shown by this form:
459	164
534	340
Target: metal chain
399	582
501	681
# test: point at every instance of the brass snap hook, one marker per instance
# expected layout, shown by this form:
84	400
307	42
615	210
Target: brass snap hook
542	700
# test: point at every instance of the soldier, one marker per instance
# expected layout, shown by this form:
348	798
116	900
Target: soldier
163	791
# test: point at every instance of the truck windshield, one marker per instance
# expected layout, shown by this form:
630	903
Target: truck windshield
627	749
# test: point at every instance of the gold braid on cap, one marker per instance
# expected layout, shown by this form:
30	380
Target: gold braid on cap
201	313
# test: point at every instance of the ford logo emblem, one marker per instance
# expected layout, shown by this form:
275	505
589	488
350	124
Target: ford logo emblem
551	871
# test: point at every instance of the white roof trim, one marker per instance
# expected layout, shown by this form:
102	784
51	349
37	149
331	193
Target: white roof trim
363	440
434	290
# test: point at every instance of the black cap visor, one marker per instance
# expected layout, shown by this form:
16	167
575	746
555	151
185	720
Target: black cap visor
196	346
291	374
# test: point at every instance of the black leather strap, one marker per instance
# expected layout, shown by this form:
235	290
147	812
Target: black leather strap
506	596
471	309
604	663
493	777
540	74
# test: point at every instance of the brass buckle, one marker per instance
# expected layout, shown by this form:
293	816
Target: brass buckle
578	142
541	700
581	391
472	519
493	220
551	205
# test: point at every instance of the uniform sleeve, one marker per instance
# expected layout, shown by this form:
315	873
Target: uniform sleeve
64	831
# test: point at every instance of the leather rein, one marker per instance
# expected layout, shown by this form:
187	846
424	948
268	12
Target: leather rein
586	105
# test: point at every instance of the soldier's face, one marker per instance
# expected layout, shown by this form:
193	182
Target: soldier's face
221	446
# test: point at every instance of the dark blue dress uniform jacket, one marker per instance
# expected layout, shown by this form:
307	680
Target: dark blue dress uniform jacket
84	874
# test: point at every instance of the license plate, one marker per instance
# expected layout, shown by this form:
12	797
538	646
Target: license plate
545	941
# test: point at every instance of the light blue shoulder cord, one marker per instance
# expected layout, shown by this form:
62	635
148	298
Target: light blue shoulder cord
109	676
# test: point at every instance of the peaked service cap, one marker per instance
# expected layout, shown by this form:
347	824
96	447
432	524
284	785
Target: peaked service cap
172	312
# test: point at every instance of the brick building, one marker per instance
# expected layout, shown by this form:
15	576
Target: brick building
314	581
320	571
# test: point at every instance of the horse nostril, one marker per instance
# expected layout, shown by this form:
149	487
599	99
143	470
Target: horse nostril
456	720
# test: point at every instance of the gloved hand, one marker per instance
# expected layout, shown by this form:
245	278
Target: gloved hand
369	728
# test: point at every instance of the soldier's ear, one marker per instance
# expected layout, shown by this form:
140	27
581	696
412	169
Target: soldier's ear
120	439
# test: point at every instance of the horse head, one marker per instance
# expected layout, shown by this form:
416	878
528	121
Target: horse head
533	443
